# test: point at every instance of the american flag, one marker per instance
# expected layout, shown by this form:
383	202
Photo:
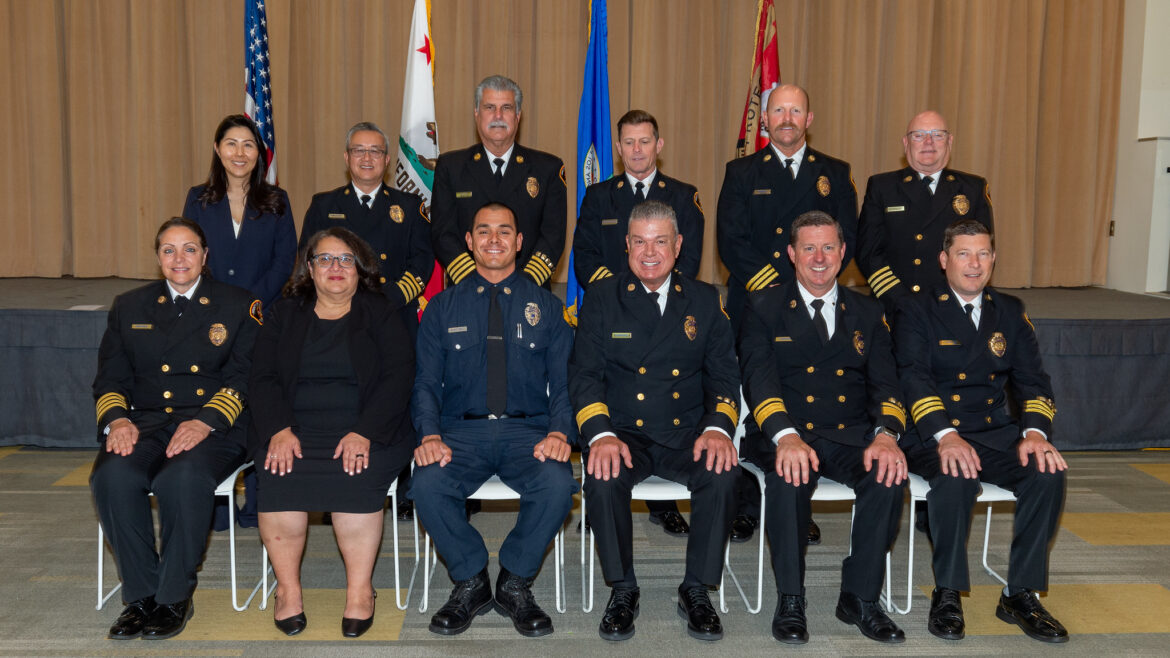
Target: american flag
257	85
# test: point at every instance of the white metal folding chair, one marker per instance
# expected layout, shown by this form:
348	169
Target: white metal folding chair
402	603
493	489
990	494
225	489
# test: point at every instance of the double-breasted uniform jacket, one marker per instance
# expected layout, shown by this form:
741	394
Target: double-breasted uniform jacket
839	391
757	205
599	242
451	373
156	367
382	356
901	228
396	228
955	376
665	377
533	187
261	258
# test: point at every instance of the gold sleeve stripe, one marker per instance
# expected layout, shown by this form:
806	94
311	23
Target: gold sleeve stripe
766	275
767	408
539	264
1040	407
110	401
895	410
588	412
729	411
410	286
601	273
228	401
536	273
925	406
460	267
881	281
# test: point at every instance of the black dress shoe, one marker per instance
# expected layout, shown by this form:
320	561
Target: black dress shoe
869	618
672	523
694	605
357	627
514	600
292	625
406	510
814	533
618	621
468	599
134	616
789	624
946	614
168	620
1025	611
743	527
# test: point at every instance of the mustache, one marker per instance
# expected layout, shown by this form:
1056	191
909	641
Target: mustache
498	124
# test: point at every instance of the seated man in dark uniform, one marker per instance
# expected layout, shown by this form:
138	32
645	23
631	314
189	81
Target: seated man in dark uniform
958	349
819	375
490	398
653	379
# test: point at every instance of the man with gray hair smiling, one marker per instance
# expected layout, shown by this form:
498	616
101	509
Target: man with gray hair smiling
530	182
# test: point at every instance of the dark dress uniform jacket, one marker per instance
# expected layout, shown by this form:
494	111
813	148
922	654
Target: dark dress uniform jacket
261	258
397	229
382	355
533	187
955	375
839	391
451	375
157	368
599	242
902	224
665	377
757	205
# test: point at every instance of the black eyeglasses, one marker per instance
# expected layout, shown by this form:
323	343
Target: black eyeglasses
325	261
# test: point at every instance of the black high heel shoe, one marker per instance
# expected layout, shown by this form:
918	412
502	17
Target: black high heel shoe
356	627
292	625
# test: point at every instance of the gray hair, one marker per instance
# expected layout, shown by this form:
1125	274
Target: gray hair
648	210
499	83
366	125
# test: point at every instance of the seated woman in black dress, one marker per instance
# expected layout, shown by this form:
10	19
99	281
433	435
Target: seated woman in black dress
172	374
332	374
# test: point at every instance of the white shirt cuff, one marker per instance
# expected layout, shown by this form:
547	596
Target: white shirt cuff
783	433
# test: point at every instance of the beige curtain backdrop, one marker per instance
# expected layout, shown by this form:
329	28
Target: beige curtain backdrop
110	105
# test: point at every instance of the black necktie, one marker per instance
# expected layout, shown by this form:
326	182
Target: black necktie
639	191
366	200
499	163
181	303
788	168
969	309
819	320
927	180
497	364
654	300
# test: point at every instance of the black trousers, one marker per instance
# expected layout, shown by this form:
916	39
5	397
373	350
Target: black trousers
952	498
712	510
183	485
875	520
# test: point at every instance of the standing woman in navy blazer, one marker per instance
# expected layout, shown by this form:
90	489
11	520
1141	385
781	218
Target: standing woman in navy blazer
251	238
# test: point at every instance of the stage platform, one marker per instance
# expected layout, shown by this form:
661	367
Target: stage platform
1108	353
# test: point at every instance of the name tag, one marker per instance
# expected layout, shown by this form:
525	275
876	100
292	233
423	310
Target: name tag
945	343
609	222
142	326
783	339
895	208
762	192
456	330
336	215
621	334
463	195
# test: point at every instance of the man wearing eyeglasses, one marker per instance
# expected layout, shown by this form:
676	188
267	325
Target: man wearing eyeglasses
394	223
906	211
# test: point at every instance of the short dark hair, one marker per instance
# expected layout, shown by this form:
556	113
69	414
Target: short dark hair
965	227
300	284
814	218
652	209
259	197
635	117
180	222
495	205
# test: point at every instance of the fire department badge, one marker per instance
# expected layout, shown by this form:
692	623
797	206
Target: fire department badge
532	186
532	313
997	343
691	327
859	343
396	214
217	334
961	204
823	185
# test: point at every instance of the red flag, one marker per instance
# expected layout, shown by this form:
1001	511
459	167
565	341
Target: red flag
765	77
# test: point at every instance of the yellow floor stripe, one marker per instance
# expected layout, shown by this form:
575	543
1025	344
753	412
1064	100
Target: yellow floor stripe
1120	529
1083	609
78	477
1160	471
9	450
215	620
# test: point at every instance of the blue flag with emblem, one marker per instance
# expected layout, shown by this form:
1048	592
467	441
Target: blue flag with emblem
594	139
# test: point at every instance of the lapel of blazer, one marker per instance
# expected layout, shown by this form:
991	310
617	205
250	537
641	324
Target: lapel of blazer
988	320
671	319
516	173
623	198
944	193
954	318
480	171
844	324
193	318
797	320
635	303
292	343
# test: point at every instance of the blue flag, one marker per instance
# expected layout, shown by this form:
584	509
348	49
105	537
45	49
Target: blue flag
594	139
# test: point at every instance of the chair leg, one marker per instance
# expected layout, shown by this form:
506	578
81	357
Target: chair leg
101	569
559	557
889	594
986	541
759	569
263	582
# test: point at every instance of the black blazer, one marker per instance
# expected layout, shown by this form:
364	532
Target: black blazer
383	360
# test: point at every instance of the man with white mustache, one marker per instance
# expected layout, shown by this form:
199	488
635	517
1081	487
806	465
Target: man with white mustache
498	170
